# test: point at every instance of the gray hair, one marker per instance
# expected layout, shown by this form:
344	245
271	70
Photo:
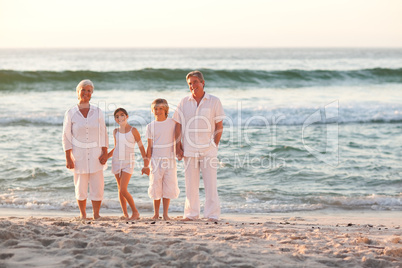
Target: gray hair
197	74
83	83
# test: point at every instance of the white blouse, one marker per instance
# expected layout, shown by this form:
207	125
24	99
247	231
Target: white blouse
86	137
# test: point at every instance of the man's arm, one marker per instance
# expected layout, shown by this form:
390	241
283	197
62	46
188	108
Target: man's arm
218	132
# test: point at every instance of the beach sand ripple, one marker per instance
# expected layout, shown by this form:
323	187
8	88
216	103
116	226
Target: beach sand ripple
111	242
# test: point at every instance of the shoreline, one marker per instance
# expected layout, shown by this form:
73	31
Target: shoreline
330	216
237	240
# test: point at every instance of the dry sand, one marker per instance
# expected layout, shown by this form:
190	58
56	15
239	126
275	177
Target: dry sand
313	240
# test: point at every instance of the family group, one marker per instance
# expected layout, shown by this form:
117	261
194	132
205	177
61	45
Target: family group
191	135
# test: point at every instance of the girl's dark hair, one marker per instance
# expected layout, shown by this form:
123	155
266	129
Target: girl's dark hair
120	110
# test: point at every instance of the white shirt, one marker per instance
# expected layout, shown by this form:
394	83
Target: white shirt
86	137
198	123
162	135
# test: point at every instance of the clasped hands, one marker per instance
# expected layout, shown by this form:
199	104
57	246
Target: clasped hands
103	159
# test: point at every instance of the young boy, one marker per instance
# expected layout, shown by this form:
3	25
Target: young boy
163	176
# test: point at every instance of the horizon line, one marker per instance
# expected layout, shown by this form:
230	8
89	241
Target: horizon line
217	47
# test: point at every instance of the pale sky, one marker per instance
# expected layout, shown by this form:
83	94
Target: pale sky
203	23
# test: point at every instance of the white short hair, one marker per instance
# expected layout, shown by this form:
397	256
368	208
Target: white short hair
84	83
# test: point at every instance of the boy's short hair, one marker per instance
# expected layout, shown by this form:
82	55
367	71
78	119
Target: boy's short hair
120	110
161	102
197	74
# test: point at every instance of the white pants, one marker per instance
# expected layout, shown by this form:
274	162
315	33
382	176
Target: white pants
208	166
96	186
163	179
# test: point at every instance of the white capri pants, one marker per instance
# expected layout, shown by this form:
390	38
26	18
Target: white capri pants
163	179
209	167
96	186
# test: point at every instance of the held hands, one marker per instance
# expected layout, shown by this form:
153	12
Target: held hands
145	170
103	159
179	153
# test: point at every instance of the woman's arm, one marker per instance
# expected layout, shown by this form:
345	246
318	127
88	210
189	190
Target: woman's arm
67	141
104	140
69	159
104	156
110	154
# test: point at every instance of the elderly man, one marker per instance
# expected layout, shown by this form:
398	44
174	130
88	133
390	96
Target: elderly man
198	132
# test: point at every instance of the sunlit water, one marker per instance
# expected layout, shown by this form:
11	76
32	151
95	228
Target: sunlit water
306	129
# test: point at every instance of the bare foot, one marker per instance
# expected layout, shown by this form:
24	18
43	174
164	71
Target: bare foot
135	216
80	218
186	219
212	219
124	217
155	217
96	217
83	216
166	218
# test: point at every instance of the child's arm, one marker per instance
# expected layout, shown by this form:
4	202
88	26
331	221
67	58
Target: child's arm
110	154
150	148
149	154
177	136
137	138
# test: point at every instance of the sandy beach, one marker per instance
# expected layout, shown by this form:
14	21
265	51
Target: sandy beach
350	239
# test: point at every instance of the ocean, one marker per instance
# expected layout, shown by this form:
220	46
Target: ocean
312	129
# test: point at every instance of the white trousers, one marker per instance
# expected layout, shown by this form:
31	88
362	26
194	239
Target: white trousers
163	179
96	186
208	166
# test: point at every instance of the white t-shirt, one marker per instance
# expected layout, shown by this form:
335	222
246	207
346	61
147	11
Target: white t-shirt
162	135
198	124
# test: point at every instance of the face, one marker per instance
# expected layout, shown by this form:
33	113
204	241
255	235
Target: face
121	118
159	112
196	87
85	93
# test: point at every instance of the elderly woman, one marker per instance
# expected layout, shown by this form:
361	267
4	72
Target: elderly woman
85	143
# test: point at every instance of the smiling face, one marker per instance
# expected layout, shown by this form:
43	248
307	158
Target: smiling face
84	94
121	118
159	111
196	87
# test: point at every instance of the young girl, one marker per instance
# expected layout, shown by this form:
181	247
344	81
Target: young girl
123	160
